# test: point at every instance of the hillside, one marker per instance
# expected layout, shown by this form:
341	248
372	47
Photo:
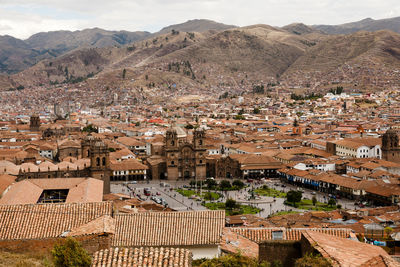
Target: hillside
233	59
17	55
196	25
63	41
299	28
351	59
368	24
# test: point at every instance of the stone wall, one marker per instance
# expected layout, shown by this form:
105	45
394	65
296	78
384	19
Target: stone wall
91	243
284	251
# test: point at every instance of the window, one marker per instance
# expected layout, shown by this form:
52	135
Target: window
201	161
97	161
277	235
53	196
104	161
172	163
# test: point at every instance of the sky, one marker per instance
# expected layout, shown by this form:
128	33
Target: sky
22	18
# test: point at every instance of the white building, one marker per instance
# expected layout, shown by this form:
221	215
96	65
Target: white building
359	148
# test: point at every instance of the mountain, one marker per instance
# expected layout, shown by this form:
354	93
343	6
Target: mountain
354	59
299	28
17	55
234	60
367	24
196	25
64	41
182	58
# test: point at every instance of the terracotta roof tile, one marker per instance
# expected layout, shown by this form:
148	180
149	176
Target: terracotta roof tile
264	234
143	256
47	220
341	251
169	228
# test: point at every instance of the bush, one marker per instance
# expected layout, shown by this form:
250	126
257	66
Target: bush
90	129
331	202
310	260
69	253
234	260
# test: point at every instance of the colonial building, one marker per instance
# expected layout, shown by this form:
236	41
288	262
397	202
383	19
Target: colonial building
390	146
94	162
34	123
180	158
183	159
246	166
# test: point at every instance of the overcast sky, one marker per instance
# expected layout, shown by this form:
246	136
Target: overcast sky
22	18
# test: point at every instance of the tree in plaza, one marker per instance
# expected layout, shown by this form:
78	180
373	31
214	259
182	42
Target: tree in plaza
225	185
314	200
211	183
331	202
69	253
239	184
294	196
230	204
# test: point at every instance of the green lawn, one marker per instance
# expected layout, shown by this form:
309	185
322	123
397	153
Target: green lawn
269	192
243	209
186	193
204	195
306	204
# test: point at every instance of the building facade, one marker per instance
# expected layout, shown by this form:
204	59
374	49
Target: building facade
390	146
185	160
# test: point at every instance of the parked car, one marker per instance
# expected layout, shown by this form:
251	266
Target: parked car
313	193
147	191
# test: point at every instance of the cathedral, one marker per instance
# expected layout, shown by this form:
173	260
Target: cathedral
180	158
184	159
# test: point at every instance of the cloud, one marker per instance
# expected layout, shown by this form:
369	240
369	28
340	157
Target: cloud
21	18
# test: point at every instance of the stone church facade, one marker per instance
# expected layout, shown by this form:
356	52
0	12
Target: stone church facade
183	159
